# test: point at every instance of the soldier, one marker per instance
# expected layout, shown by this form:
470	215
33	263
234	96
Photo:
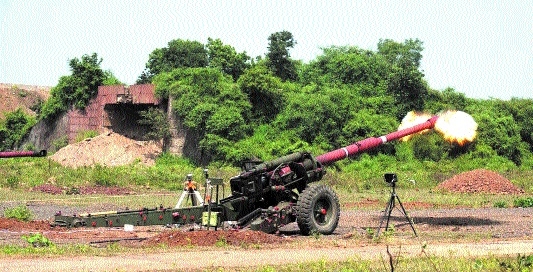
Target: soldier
190	186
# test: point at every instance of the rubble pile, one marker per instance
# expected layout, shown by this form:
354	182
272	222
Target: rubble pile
479	181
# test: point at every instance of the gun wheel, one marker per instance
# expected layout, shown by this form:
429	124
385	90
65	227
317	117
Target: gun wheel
318	210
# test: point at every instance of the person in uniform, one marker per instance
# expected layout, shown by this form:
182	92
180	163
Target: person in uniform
190	186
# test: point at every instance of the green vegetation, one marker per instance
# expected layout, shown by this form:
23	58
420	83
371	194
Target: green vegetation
523	202
85	134
345	94
420	264
235	107
20	212
77	89
14	127
37	240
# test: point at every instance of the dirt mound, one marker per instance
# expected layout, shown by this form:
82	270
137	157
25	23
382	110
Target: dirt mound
108	149
16	225
23	96
212	237
479	181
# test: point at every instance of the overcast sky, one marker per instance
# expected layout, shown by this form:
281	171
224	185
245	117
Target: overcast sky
483	49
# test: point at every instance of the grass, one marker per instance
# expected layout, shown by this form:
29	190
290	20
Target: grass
142	199
379	197
419	264
20	212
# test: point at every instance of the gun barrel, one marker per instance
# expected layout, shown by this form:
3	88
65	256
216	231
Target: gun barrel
369	143
12	154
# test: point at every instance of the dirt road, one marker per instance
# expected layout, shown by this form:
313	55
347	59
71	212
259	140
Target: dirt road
190	261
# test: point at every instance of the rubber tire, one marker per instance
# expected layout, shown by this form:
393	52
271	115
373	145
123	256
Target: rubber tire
311	202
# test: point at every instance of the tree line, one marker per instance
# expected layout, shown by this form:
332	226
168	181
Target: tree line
266	106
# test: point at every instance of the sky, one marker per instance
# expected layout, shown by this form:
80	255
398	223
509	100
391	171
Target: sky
481	48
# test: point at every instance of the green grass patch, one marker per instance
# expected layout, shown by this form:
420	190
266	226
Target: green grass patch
20	212
419	264
523	202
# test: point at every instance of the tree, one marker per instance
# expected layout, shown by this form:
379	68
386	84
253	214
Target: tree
408	53
498	129
213	110
346	65
178	54
15	126
78	88
226	58
263	90
405	82
157	120
278	57
448	99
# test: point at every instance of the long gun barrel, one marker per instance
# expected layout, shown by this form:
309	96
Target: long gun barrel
369	143
13	154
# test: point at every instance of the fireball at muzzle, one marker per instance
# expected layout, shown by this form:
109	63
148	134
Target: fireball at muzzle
456	127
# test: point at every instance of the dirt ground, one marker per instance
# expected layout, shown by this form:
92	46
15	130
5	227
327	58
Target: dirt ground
463	232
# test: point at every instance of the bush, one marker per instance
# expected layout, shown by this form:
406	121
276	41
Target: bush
523	202
20	212
37	240
60	143
84	134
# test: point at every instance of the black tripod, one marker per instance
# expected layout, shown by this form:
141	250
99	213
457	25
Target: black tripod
391	179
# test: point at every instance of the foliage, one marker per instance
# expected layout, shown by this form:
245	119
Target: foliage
37	240
405	81
157	120
14	127
346	65
523	202
178	54
498	130
500	204
77	89
264	92
210	105
236	108
85	134
278	57
430	147
20	212
111	79
226	58
59	143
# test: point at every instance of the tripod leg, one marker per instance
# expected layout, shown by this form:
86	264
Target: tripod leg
386	215
406	216
390	211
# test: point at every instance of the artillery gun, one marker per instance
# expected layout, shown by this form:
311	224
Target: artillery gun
14	154
265	196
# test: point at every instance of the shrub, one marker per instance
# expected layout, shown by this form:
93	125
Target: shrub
500	204
60	142
37	240
523	202
20	212
84	134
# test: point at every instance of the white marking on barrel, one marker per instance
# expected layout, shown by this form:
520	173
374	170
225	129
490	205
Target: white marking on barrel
345	151
383	139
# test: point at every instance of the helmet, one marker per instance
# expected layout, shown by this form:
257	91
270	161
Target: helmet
189	177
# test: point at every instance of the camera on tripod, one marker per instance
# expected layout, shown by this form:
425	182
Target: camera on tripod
390	178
